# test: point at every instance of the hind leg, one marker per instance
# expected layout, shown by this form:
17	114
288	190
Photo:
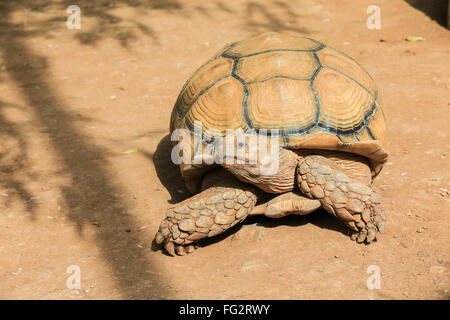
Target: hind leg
343	193
290	203
224	202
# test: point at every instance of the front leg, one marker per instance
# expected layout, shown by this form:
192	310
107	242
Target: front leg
343	195
224	202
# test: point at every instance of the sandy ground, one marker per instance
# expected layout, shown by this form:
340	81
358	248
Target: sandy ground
71	101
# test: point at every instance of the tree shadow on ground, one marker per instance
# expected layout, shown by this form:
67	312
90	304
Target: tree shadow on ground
101	18
435	9
92	195
261	18
13	157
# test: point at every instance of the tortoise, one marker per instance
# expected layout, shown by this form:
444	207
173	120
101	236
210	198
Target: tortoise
329	127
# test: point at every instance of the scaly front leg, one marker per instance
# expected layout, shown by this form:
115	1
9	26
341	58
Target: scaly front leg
224	202
342	195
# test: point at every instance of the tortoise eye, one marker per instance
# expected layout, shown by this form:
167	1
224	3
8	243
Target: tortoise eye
240	144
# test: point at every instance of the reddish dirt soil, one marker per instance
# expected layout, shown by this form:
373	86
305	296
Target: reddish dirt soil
73	100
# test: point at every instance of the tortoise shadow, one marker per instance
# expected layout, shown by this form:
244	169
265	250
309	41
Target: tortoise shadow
91	191
319	218
168	172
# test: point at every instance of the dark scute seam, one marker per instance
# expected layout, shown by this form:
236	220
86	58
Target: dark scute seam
202	92
226	55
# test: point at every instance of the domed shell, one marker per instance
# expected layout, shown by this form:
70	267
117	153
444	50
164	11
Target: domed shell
316	96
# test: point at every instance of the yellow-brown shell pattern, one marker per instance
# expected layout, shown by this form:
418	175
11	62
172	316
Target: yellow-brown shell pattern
274	81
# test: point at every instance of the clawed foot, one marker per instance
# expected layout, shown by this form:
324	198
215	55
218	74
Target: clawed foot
177	236
178	249
205	215
174	240
350	200
366	225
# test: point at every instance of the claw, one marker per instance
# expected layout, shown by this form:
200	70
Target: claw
352	225
371	235
343	214
380	223
362	236
170	247
190	249
180	250
159	238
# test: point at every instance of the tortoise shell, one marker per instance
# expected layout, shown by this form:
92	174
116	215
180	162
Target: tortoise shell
317	96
